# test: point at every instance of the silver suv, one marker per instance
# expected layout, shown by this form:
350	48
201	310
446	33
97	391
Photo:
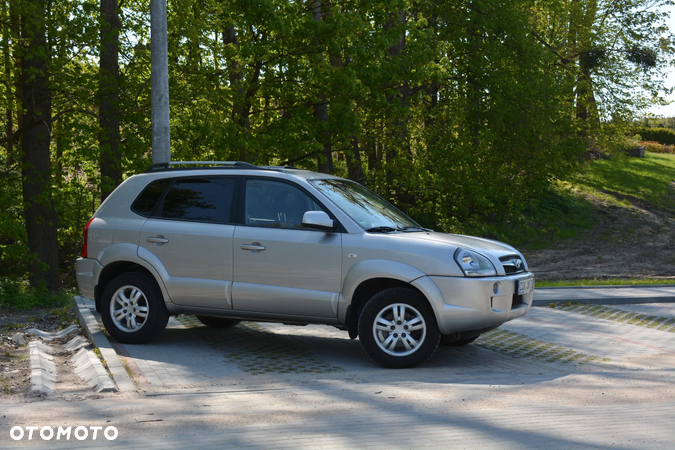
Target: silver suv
230	241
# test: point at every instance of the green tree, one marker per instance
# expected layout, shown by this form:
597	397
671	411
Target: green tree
614	51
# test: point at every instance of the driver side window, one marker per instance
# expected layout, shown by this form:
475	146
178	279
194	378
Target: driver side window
276	205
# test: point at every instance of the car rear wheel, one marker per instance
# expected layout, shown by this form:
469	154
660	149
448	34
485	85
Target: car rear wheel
397	328
133	309
217	322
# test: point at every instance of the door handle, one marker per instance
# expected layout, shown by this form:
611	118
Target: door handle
157	240
253	247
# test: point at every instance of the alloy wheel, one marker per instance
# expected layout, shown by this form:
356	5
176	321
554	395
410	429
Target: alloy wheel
399	329
129	308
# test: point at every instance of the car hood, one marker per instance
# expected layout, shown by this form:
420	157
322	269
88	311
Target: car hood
481	245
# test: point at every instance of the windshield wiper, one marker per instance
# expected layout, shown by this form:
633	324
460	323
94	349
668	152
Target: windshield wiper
383	229
415	228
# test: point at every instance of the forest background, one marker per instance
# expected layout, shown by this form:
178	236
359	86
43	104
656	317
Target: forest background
464	113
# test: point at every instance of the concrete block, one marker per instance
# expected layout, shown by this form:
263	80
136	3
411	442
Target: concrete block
42	369
50	336
91	370
95	334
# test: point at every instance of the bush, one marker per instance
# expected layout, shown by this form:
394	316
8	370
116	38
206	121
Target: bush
663	136
17	294
655	147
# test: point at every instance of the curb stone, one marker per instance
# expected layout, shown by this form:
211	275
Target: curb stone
93	331
612	286
90	369
603	295
604	301
42	369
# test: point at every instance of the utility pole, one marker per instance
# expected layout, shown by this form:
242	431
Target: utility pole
159	83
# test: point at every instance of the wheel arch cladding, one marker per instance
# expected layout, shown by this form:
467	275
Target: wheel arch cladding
112	270
367	290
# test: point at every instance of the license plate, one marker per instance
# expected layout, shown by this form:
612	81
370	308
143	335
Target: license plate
525	286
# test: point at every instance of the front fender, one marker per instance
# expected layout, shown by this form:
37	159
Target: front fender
368	270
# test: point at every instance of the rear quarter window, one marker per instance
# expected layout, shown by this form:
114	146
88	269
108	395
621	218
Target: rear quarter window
147	200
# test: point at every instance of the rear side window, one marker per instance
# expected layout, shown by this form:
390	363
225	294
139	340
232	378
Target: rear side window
146	201
200	200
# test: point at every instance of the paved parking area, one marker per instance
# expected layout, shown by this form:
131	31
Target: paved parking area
658	309
192	356
577	376
606	338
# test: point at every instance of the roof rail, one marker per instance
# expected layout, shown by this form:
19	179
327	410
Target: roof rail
160	167
279	167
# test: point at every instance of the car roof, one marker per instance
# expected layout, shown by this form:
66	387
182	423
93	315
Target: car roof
175	167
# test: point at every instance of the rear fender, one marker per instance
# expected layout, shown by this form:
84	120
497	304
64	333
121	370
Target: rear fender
135	254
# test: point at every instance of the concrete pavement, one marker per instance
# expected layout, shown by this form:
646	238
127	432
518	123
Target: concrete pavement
575	377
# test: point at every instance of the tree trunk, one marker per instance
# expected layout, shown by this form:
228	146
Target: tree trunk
11	96
57	136
354	168
325	160
109	109
398	135
581	22
374	159
9	106
240	113
40	213
474	87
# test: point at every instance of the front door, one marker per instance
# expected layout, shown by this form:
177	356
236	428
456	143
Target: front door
280	267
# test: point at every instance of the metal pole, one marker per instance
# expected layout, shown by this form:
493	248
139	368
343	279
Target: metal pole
159	83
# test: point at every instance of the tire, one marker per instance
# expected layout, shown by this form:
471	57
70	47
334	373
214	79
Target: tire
392	348
133	309
218	322
449	340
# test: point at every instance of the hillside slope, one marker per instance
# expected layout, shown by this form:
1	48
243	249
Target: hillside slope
634	231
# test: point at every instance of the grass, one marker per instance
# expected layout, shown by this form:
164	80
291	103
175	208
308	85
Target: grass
564	211
606	282
650	179
554	215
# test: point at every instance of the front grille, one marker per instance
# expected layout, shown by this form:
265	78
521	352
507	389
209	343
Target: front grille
512	264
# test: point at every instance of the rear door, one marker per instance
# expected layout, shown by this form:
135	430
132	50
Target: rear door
280	267
190	235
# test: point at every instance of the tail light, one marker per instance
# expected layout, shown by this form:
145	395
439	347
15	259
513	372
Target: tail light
85	235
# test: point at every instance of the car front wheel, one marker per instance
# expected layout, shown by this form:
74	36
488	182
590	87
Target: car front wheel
133	309
397	328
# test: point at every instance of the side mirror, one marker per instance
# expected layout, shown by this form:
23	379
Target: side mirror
318	220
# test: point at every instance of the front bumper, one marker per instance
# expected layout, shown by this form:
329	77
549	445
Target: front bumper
87	271
462	304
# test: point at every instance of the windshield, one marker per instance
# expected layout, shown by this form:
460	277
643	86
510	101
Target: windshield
371	212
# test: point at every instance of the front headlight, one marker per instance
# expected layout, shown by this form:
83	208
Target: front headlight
474	264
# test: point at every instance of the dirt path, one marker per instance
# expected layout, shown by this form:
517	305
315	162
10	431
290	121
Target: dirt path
637	241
